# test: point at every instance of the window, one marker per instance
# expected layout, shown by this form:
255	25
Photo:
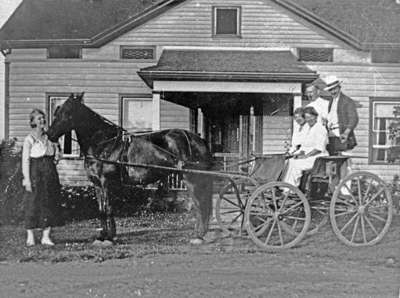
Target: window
137	113
138	53
385	130
226	21
385	56
315	54
66	52
69	145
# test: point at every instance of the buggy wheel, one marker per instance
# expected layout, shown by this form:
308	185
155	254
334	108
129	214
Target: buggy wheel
277	216
231	203
319	215
361	209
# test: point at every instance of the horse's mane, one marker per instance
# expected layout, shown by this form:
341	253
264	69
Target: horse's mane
99	118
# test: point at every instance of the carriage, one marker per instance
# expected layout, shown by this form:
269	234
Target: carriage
274	214
278	215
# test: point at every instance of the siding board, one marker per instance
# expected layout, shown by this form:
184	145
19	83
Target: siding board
103	75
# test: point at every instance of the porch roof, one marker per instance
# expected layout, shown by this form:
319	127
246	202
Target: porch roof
228	65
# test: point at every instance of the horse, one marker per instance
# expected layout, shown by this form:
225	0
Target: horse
104	145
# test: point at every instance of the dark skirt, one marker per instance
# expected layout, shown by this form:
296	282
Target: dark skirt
42	205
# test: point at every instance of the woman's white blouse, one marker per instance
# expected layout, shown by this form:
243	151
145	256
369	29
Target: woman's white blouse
316	138
34	148
299	134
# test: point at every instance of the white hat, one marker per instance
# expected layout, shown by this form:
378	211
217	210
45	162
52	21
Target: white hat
331	82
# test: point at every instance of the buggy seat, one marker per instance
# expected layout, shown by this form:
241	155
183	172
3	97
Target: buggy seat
327	169
267	168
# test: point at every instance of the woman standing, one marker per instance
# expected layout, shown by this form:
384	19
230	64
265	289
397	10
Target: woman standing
41	182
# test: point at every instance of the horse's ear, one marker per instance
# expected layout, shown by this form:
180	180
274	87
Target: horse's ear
80	97
71	96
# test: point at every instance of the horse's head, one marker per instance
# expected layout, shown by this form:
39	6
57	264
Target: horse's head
64	117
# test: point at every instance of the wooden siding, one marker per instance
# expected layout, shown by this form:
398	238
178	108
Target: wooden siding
277	130
264	24
174	116
103	76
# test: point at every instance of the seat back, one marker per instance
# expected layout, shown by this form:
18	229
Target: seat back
267	168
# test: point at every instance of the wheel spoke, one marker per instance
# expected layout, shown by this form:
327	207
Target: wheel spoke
291	207
280	233
262	227
349	190
363	228
270	232
262	219
348	223
355	229
284	201
359	191
264	222
368	189
274	198
295	218
371	225
374	197
232	203
231	211
377	217
345	202
344	213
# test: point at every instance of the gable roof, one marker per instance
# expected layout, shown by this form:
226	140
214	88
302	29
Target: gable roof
370	22
92	23
77	22
231	65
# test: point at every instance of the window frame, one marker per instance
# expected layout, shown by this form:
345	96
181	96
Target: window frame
131	96
372	102
49	113
153	48
238	22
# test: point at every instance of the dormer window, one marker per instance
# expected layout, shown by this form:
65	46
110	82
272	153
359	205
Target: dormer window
226	21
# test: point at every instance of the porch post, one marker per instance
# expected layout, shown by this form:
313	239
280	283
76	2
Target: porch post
200	123
156	125
296	103
253	135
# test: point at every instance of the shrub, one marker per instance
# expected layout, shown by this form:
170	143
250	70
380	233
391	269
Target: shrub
11	199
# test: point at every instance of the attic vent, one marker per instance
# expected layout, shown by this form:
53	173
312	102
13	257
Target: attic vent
64	52
385	56
315	54
138	53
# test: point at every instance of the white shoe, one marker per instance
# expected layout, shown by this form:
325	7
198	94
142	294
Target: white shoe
46	238
30	239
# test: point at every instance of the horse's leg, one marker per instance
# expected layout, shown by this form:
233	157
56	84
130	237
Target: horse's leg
200	188
110	229
101	202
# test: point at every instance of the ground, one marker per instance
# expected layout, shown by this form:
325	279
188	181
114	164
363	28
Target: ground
153	258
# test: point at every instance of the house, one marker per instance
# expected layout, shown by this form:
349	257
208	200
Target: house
231	70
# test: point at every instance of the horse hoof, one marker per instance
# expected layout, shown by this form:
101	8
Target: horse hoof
196	241
105	243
